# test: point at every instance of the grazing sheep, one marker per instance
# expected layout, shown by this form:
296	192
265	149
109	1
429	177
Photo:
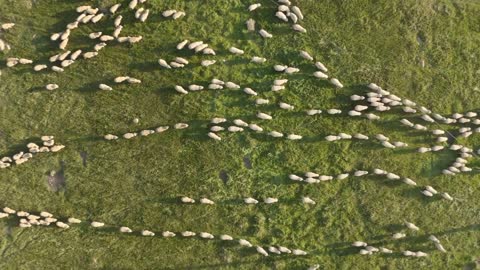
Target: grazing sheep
182	44
431	190
105	87
180	89
299	28
427	193
307	200
294	137
281	16
39	67
250	200
187	200
359	244
249	91
261	251
409	181
125	230
168	234
206	201
285	106
244	243
446	196
235	50
51	86
217	128
214	136
411	226
96	224
129	135
270	200
147	233
360	136
342	176
320	75
440	247
306	55
332	138
294	177
250	25
334	111
206	235
74	220
360	173
180	126
265	34
253	7
264	116
194	87
258	60
299	252
188	234
89	55
399	235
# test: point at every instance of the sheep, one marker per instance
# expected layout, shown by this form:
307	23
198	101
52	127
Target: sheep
299	28
250	25
424	149
240	122
285	106
235	50
97	224
249	91
9	210
294	137
206	235
253	7
299	252
105	87
232	85
291	70
261	101
276	88
294	177
446	196
176	65
75	55
74	220
56	148
206	63
180	126
146	132
265	34
431	190
305	55
136	39
297	12
270	200
182	44
411	226
244	243
206	201
129	135
225	237
419	127
187	200
360	173
51	86
281	16
3	215
359	244
188	234
314	112
22	214
133	80
168	234
99	46
147	233
216	129
409	181
125	230
39	67
427	193
307	200
25	225
201	47
7	26
209	51
67	63
264	116
320	75
218	120
440	247
344	136
262	251
195	87
360	136
334	111
106	38
180	89
89	55
144	15
250	200
332	138
342	176
398	235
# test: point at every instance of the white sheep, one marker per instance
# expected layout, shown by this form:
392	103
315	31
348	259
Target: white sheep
250	200
125	230
214	136
411	226
180	89
258	60
129	135
244	243
446	196
360	173
264	116
253	7
97	224
188	234
249	91
299	28
89	55
250	25
105	87
359	244
235	50
265	34
187	200
270	200
261	251
180	126
167	234
294	137
409	181
320	75
431	190
299	252
226	237
51	86
206	235
308	200
206	201
281	16
398	235
334	111
342	176
74	220
147	233
306	55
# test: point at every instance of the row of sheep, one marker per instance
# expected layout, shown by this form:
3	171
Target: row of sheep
44	218
145	132
369	250
247	200
313	178
48	145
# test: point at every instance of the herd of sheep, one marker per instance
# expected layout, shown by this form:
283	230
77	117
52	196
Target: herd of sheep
369	105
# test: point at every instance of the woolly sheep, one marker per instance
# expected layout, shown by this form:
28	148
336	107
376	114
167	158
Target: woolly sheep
187	200
299	28
214	136
250	200
74	220
235	50
125	230
399	235
96	224
250	25
261	251
206	235
104	87
265	34
308	200
168	234
264	116
194	87
51	86
258	60
275	134
255	127
188	234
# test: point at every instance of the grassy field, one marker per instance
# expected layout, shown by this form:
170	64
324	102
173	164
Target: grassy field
137	182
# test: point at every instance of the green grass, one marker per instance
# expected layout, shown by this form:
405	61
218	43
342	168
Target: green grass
137	182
